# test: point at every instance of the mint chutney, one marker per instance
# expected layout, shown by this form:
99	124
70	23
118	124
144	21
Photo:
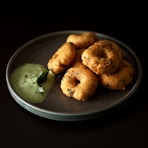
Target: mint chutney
32	82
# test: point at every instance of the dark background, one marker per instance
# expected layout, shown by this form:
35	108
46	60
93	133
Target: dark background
125	127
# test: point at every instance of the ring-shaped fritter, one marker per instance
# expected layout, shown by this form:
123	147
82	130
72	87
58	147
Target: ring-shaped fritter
79	83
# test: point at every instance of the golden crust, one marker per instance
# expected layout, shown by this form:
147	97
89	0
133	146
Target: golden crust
79	83
82	40
105	43
119	79
89	62
100	59
77	62
62	58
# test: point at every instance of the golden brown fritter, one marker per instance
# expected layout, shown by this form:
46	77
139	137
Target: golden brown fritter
77	62
79	83
100	59
119	79
106	43
87	62
62	58
82	40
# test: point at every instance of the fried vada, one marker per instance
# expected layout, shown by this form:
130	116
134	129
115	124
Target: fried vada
79	83
62	58
120	79
100	59
82	40
77	62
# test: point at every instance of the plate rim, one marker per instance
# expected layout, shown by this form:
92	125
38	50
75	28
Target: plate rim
61	116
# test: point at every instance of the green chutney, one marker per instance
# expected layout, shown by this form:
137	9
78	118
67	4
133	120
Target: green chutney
32	82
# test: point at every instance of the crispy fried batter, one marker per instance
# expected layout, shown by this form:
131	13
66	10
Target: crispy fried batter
82	40
77	61
62	58
106	43
88	62
119	79
100	59
79	83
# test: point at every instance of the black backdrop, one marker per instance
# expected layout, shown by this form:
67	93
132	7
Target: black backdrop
126	127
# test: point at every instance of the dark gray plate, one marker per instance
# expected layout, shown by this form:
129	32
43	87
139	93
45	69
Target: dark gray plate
57	106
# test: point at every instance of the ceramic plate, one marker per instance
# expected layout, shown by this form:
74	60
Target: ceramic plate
57	106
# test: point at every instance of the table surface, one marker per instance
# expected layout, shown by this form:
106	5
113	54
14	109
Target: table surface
124	127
